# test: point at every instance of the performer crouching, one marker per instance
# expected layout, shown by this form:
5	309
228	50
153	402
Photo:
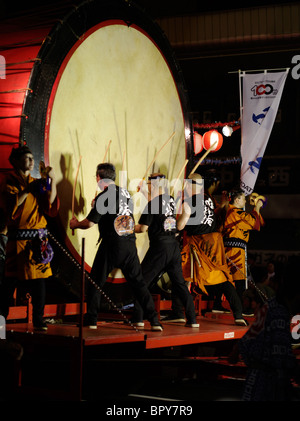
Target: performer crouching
163	255
113	212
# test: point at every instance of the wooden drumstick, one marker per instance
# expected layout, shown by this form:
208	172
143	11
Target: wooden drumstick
74	188
158	152
106	151
155	158
203	157
178	176
200	160
123	161
122	182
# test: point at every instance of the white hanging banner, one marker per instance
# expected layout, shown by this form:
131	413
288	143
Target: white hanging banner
261	96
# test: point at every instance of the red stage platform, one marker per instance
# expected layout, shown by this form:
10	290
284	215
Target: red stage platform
66	361
116	332
67	348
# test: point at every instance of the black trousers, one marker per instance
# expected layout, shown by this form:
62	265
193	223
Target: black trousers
240	288
37	290
231	296
122	254
164	256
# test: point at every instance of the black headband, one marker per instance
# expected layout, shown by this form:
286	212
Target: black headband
156	176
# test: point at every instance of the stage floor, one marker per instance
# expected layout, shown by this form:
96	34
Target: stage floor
62	364
75	355
116	332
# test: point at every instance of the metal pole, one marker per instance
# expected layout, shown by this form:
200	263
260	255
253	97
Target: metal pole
241	74
82	288
81	318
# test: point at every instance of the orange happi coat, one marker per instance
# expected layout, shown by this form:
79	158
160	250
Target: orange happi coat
29	215
204	261
236	231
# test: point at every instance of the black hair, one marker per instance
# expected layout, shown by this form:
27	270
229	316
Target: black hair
234	194
106	171
156	176
17	153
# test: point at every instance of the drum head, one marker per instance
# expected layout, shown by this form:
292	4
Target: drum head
109	90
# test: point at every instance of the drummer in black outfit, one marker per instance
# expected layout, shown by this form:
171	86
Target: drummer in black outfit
163	255
113	212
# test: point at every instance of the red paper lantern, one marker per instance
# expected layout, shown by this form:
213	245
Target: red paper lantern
211	137
198	143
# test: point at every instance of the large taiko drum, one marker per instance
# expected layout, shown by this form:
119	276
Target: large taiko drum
103	85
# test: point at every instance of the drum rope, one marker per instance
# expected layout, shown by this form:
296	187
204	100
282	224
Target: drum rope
78	265
22	62
13	116
15	91
64	22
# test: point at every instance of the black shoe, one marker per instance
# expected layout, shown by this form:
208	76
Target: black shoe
193	323
90	325
138	324
40	327
220	309
241	322
174	319
248	313
89	322
135	323
156	327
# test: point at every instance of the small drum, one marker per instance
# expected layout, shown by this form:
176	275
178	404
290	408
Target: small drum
101	84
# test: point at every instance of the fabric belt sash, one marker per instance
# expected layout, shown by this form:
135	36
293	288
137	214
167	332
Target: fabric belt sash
28	234
235	242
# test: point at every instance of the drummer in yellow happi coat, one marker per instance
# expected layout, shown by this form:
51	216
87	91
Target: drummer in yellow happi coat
28	200
203	256
236	231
